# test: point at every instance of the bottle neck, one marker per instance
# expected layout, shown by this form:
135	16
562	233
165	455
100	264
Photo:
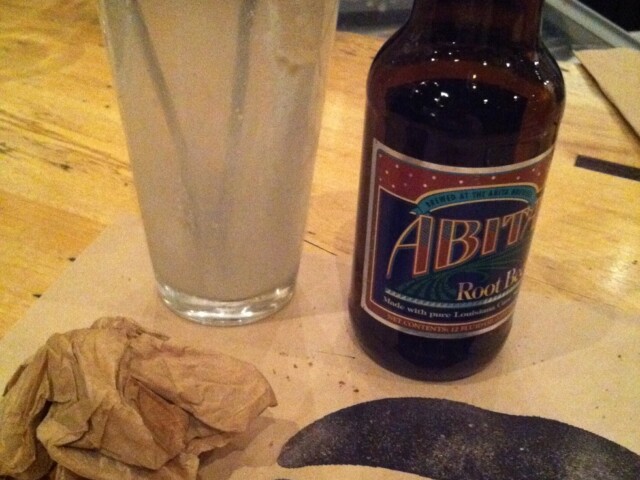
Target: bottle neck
478	22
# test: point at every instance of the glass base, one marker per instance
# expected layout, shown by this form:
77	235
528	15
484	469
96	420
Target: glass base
222	313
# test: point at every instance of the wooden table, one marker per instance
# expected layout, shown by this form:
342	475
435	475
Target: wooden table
64	173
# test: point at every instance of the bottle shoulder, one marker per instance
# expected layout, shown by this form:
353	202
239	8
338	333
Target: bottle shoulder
404	59
470	102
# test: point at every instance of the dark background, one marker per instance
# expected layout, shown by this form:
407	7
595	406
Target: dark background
624	13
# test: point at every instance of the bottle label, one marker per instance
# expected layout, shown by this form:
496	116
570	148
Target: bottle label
446	246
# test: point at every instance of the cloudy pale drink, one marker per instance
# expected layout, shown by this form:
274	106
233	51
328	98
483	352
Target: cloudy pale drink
221	104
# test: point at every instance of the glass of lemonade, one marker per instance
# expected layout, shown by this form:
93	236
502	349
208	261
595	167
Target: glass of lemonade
221	103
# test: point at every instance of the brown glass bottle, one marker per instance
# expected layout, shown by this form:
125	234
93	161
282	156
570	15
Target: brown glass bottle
467	85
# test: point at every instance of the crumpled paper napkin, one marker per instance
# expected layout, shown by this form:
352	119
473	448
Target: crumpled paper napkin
115	401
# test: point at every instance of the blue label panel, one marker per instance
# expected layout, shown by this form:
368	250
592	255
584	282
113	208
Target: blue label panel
446	248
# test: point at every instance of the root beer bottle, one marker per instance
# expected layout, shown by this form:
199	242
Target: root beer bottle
463	108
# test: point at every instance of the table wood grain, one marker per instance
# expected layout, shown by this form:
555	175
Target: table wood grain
65	176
